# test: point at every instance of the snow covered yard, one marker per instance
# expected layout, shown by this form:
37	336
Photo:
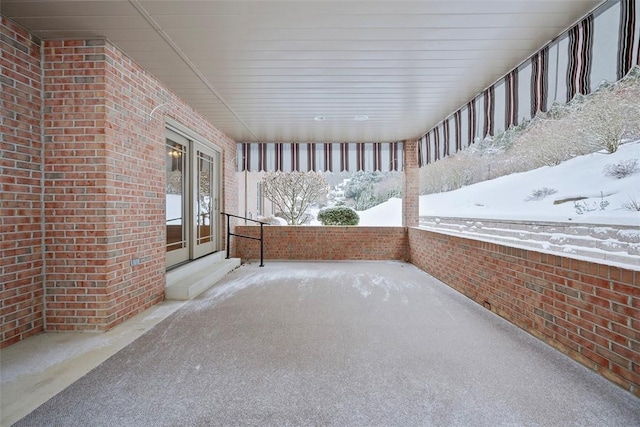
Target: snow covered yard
505	210
582	178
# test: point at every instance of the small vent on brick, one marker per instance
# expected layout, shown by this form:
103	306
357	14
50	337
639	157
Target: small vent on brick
487	305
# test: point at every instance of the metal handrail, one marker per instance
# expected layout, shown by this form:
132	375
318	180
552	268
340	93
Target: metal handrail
261	238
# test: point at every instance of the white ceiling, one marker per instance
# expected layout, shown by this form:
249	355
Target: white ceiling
262	70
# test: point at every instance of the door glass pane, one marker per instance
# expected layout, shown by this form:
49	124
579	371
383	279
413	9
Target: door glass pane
176	193
206	200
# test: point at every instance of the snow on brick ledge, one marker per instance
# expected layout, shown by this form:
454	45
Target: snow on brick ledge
613	244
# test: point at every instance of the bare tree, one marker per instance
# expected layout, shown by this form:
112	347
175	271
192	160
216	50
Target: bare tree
294	192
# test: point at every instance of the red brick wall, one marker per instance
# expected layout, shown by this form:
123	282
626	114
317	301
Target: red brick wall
21	261
106	195
323	243
104	189
75	186
589	311
136	176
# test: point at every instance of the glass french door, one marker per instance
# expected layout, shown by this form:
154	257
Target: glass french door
206	206
177	198
192	199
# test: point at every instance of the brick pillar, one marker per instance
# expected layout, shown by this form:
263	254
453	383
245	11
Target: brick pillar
411	190
21	260
104	189
75	194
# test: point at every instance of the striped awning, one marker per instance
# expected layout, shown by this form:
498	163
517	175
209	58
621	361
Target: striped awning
603	46
320	157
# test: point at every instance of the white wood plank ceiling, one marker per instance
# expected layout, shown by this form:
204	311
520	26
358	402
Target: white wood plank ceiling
263	70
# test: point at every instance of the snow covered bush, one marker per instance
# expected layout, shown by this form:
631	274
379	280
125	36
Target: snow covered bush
622	169
456	171
582	207
548	142
540	194
501	141
604	119
368	189
460	171
341	215
632	204
611	115
432	177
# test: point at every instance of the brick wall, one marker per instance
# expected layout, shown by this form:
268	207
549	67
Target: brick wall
104	190
136	178
588	311
105	183
21	261
323	243
75	186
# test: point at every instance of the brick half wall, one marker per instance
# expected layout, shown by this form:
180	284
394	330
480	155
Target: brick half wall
323	243
588	311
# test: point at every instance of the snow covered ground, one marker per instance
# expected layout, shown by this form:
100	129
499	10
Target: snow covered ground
501	210
387	214
506	197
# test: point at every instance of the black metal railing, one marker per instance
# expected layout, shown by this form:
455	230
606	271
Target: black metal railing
261	238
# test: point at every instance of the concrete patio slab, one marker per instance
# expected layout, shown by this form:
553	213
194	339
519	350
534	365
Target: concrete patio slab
35	370
336	343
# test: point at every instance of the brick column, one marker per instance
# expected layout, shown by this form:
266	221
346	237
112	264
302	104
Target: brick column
411	190
21	260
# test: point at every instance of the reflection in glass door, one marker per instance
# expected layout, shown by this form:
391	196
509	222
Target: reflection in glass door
176	198
206	205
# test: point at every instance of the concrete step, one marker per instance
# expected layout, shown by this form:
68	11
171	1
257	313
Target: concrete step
189	281
188	269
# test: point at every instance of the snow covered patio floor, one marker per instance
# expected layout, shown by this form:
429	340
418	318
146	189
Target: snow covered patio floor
311	343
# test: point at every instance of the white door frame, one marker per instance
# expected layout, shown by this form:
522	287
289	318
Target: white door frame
194	144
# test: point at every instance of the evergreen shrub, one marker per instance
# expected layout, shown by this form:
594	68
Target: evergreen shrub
340	215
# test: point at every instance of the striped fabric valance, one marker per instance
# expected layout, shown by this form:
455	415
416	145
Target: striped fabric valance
603	46
320	157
